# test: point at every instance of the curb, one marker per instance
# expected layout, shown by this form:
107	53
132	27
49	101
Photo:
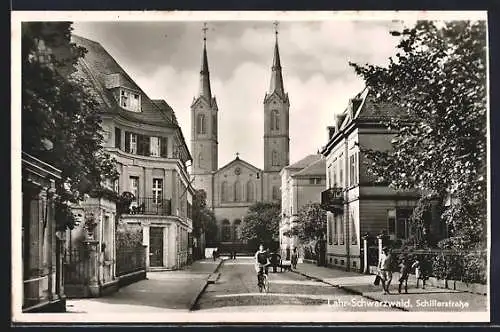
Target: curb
349	290
193	302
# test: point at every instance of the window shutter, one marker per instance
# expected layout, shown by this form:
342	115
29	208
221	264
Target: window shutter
147	145
118	138
127	141
164	147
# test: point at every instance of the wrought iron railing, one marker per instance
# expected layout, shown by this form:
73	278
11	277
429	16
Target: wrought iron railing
332	199
151	206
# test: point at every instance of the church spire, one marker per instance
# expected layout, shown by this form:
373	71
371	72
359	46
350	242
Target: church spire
205	90
276	75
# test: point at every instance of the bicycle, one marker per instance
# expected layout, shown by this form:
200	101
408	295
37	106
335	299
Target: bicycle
263	280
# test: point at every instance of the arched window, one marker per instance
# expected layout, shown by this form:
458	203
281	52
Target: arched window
275	120
200	124
275	158
200	160
237	191
276	193
223	192
250	191
226	230
237	230
214	125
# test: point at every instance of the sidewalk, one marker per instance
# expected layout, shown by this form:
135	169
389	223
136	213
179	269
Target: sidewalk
166	291
418	299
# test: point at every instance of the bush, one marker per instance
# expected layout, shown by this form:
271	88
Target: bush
128	236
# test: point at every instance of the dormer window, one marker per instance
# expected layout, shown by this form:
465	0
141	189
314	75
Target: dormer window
130	100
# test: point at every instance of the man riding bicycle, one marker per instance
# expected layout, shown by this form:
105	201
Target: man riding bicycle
261	263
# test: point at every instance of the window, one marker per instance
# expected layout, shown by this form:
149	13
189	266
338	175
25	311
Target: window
226	230
330	228
335	231
353	174
341	173
275	120
237	191
131	142
250	191
200	124
223	192
154	146
164	147
143	145
118	138
237	230
315	181
116	185
130	100
341	230
134	186
276	193
352	230
398	222
275	159
157	190
200	160
214	125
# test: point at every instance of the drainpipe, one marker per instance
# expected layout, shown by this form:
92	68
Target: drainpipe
347	223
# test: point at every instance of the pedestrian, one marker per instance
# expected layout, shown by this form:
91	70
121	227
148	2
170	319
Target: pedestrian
404	273
295	258
214	254
385	272
419	272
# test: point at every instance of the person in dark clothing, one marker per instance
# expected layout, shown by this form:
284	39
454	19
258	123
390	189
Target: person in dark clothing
295	258
404	272
275	261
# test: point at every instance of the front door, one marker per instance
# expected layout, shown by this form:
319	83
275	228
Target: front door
156	246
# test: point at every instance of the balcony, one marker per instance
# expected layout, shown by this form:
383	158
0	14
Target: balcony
151	206
332	200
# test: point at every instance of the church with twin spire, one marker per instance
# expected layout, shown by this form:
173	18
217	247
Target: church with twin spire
232	188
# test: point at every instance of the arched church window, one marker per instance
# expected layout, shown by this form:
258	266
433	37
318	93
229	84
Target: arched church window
237	191
226	230
250	191
214	125
200	160
200	124
275	158
237	230
276	193
223	192
275	120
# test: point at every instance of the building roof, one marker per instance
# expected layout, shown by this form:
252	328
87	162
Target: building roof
317	168
96	65
304	162
238	160
363	108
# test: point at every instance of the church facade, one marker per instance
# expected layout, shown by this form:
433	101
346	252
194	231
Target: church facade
232	188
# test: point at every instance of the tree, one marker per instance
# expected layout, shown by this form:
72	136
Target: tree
60	115
261	224
204	220
438	81
310	223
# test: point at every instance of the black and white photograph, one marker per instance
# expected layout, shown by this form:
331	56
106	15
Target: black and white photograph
235	167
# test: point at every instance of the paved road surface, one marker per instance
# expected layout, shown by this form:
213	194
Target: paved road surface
236	291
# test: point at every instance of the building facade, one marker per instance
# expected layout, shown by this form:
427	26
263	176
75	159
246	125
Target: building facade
356	204
301	183
232	188
145	139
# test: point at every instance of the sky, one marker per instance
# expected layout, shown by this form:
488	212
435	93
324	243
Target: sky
164	59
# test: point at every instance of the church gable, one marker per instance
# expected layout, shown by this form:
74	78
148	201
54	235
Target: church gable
238	167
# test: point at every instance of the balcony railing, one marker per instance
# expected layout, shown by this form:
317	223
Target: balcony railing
151	206
332	200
